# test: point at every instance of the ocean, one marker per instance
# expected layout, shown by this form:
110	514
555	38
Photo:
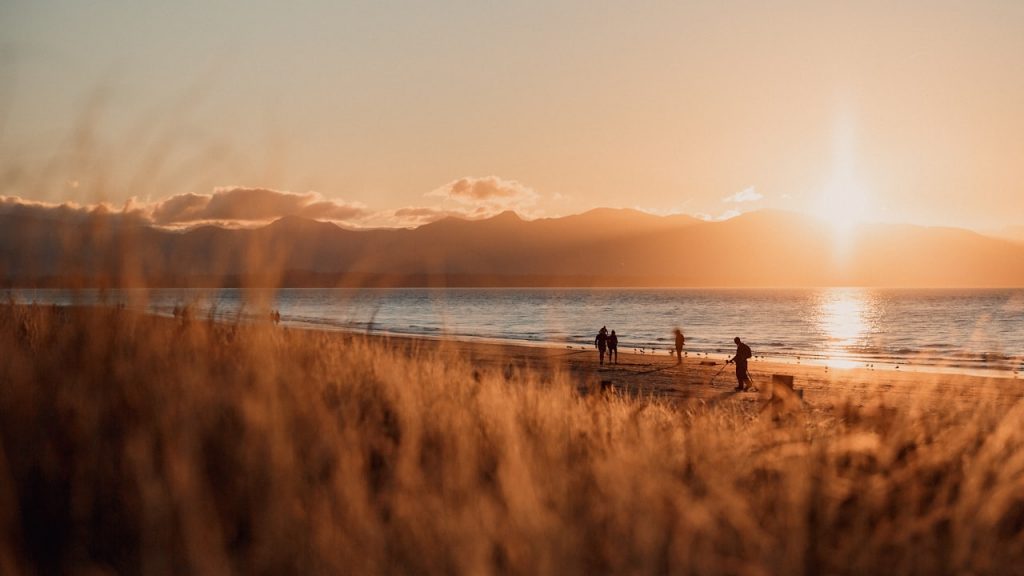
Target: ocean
976	331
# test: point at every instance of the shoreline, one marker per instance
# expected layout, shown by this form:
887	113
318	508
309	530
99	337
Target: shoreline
997	360
707	381
698	379
808	359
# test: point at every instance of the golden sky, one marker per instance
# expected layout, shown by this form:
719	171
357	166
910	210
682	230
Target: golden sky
397	112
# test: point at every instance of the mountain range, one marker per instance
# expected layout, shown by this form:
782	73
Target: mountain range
602	247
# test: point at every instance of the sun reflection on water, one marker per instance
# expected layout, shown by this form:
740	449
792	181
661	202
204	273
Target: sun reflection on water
843	318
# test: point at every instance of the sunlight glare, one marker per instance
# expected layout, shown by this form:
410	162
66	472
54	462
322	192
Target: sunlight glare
843	202
842	316
843	206
843	319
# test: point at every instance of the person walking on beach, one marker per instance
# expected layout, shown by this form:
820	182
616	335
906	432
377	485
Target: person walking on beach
613	348
601	342
743	354
680	340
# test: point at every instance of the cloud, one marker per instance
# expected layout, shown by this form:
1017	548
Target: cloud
226	206
12	204
723	216
330	210
181	208
413	216
71	211
238	204
470	198
422	212
748	194
15	204
488	195
673	211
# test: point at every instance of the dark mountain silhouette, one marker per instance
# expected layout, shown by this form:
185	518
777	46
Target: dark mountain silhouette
603	247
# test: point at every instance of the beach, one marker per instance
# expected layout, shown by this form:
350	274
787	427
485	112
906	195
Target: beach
957	331
134	443
703	377
700	378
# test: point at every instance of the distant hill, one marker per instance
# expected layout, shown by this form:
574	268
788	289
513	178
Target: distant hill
1011	233
603	247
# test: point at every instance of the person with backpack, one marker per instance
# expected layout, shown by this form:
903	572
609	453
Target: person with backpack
743	354
680	341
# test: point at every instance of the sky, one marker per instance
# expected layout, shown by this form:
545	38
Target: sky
396	113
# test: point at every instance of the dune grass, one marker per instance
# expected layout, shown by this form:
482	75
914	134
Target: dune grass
133	444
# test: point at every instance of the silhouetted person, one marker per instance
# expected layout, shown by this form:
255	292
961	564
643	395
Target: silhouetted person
184	313
613	348
601	342
680	340
743	354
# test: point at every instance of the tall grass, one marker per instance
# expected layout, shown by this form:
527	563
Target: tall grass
144	445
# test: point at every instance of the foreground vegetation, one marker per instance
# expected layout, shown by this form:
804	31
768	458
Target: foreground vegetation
145	445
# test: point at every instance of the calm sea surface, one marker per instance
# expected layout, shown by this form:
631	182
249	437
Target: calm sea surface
956	330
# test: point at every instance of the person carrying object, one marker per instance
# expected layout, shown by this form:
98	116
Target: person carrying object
743	354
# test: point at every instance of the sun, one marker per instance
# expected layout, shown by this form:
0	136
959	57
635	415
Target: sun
843	205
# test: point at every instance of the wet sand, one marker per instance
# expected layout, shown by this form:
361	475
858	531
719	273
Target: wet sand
700	379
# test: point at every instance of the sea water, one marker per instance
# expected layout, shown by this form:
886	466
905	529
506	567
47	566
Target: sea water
944	330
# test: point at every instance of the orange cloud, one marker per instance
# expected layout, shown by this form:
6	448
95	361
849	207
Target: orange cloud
487	196
238	204
181	208
413	216
489	189
225	206
70	211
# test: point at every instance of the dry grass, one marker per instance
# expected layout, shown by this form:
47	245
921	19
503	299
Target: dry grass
135	444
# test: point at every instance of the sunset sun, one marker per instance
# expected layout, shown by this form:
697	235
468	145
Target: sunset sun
843	205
